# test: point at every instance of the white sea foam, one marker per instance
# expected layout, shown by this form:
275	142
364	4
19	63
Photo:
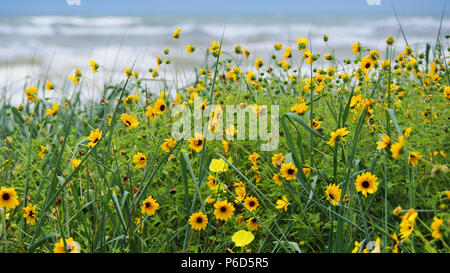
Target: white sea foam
104	21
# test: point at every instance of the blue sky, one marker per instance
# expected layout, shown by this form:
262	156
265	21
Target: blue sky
142	7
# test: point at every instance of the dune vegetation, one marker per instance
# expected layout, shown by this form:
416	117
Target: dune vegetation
361	164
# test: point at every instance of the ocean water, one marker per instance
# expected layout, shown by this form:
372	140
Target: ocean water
36	47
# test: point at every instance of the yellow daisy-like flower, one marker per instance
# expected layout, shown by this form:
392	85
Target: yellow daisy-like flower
31	93
357	246
212	182
300	108
150	112
447	92
75	163
240	193
288	171
277	47
215	48
76	77
397	147
356	48
307	171
413	158
196	143
53	110
168	144
374	55
308	56
160	107
377	247
254	158
302	42
176	34
129	121
338	135
149	206
258	63
366	183
93	65
316	125
407	224
407	132
224	210
44	149
366	63
49	86
242	238
231	132
390	40
253	224
30	214
137	221
333	193
131	98
285	65
385	141
251	203
140	159
395	247
94	137
226	146
128	72
277	179
238	50
251	77
287	53
198	220
282	203
190	49
72	246
435	226
240	220
246	53
277	160
397	211
155	72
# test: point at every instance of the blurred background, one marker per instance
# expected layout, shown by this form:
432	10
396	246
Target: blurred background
50	38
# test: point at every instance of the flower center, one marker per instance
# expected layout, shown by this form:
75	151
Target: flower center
365	184
290	171
251	203
331	196
223	209
199	219
5	196
199	142
147	205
